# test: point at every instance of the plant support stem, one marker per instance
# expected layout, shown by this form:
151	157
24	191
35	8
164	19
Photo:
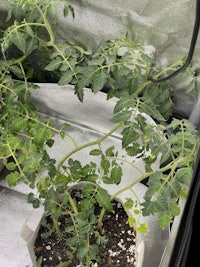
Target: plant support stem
93	143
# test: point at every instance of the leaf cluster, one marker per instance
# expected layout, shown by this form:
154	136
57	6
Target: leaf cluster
174	144
81	225
25	135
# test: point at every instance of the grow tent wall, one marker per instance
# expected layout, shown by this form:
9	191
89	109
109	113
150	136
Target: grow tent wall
165	26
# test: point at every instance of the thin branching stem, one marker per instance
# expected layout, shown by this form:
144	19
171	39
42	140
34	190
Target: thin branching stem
93	143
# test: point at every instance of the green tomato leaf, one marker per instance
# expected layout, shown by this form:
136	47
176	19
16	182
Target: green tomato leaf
99	79
29	30
66	78
54	64
71	241
109	151
36	203
116	174
31	197
122	116
164	157
7	42
174	208
148	107
107	180
93	251
16	71
31	46
160	96
184	175
11	166
15	142
66	10
103	199
142	228
164	220
18	125
91	177
61	180
79	91
41	136
105	164
134	150
19	41
124	103
51	13
95	152
13	178
131	221
82	253
128	203
129	136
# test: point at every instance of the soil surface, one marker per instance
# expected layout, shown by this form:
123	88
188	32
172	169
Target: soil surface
119	251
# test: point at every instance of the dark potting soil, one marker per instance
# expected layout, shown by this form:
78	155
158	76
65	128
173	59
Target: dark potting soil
119	251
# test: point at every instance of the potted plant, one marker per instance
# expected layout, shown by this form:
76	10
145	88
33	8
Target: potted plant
123	69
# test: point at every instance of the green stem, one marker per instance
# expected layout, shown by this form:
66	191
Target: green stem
174	66
24	75
129	187
169	166
51	42
63	57
5	87
124	160
15	159
15	29
72	203
144	85
56	227
66	211
47	26
100	219
141	87
88	259
96	142
37	121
